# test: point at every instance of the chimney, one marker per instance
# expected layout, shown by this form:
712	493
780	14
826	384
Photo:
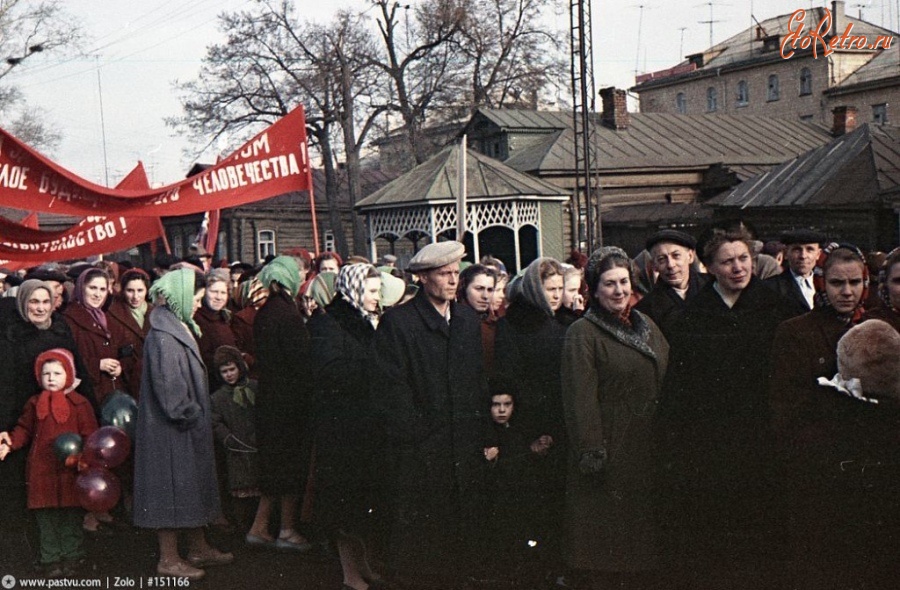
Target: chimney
844	120
838	17
615	108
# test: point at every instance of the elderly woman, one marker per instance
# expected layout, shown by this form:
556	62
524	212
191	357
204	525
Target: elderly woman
127	316
100	347
174	466
283	405
342	339
888	292
613	363
715	410
214	320
28	327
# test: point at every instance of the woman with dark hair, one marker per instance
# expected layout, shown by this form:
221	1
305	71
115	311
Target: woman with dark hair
476	290
283	405
175	485
613	363
127	315
328	262
341	345
888	292
98	346
528	351
715	416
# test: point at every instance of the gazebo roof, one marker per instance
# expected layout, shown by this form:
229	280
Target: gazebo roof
435	182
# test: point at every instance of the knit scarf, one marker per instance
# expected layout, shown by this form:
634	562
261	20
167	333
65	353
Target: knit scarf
636	333
139	313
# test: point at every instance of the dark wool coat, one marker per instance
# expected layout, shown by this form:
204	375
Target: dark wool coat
50	483
93	344
215	328
885	314
344	439
242	327
430	398
663	304
234	427
785	285
20	344
714	413
284	400
126	330
528	353
174	463
612	379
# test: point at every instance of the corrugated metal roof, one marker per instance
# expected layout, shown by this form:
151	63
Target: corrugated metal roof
661	140
851	170
656	213
436	180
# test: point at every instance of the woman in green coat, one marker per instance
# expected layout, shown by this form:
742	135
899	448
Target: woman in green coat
614	360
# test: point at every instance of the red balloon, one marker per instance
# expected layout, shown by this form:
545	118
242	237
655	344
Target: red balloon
97	489
106	447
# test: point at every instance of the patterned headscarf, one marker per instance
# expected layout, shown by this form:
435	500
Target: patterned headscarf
351	284
96	313
883	276
177	288
283	270
24	294
821	296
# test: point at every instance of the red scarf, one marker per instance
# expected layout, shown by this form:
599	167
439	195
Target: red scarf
55	402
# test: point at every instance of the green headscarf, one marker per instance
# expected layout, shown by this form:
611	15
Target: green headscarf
177	288
282	270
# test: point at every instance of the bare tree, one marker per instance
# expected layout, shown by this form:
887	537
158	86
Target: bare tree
29	30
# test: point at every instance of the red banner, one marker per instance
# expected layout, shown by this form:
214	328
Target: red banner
273	163
91	236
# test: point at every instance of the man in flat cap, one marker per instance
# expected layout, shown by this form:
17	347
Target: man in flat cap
430	398
672	254
803	247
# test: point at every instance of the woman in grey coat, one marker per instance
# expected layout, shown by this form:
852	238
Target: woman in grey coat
174	466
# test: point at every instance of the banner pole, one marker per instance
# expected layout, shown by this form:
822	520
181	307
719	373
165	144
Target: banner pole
312	207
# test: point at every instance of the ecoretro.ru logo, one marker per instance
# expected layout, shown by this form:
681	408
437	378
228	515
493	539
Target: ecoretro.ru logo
798	38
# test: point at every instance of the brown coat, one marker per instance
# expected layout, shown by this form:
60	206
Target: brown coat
93	345
125	329
611	381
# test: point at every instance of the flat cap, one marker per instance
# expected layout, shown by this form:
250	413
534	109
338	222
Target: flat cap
43	273
802	236
672	236
389	259
436	255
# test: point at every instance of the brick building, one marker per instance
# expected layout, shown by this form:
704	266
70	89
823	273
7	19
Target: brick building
747	75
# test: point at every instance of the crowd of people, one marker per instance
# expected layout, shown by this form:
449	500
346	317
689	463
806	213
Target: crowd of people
711	407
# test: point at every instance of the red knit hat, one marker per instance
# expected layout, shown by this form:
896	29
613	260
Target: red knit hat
63	357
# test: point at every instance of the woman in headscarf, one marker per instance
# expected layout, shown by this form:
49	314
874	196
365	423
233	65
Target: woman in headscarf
613	363
283	405
28	327
214	319
476	290
127	316
98	345
341	344
888	292
175	485
528	350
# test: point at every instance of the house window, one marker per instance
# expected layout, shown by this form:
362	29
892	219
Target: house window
329	241
773	93
681	103
266	243
743	94
805	82
879	114
712	99
807	118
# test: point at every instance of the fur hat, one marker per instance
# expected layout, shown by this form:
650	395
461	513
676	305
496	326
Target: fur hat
229	354
870	352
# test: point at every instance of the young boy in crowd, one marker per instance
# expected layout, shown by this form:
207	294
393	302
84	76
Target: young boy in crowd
57	410
234	424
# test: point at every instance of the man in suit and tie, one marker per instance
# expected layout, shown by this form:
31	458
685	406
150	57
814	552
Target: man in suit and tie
803	247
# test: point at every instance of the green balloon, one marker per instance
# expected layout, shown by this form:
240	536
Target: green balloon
66	445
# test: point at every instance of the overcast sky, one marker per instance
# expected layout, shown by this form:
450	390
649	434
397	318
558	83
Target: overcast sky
140	47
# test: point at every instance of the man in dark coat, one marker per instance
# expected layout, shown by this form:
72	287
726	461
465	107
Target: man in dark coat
796	284
429	396
672	255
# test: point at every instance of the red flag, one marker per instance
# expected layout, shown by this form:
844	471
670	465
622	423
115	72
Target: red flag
212	232
273	163
31	221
